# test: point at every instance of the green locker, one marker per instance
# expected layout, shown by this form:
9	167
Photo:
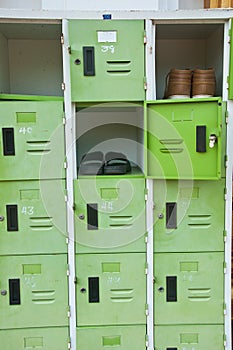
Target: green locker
189	216
195	337
110	214
33	291
188	288
35	338
184	139
110	337
107	60
31	140
111	289
33	217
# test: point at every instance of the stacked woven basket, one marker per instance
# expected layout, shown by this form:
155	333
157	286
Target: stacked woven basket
218	4
186	83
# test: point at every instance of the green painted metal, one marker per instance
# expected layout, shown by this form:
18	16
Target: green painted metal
120	205
18	97
38	140
118	73
199	288
41	217
108	337
200	216
43	291
122	289
35	338
171	138
196	337
230	77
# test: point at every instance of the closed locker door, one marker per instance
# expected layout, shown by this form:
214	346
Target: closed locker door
184	139
33	217
189	216
188	288
34	291
111	289
111	337
110	214
107	60
31	140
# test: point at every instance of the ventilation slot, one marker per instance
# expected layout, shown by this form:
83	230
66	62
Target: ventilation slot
171	150
43	296
121	295
199	294
171	141
41	223
38	147
119	67
199	221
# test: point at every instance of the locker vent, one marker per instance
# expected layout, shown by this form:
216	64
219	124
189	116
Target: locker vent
38	147
118	67
41	223
199	294
172	143
199	221
120	221
121	295
43	296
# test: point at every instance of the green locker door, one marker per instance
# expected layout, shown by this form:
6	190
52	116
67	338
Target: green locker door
189	216
33	217
110	214
195	337
33	291
184	139
107	60
111	289
110	337
31	140
35	338
188	288
230	78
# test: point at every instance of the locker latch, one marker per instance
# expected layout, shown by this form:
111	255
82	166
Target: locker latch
212	140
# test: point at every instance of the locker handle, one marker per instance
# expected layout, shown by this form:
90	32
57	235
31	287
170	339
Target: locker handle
89	60
171	288
14	288
8	141
12	217
93	289
92	216
171	215
201	138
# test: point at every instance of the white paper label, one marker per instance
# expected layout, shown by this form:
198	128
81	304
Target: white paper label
107	37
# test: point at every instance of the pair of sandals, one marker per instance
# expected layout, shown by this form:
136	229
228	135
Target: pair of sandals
113	163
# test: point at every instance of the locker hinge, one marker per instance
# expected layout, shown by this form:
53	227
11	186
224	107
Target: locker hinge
147	341
224	309
146	194
73	206
63	86
227	116
66	195
68	312
67	240
229	36
69	49
69	345
145	83
224	340
146	238
64	120
146	310
76	280
65	164
225	267
68	271
62	39
226	161
145	37
146	268
225	194
225	235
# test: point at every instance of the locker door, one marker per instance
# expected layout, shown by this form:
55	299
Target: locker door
188	288
189	216
33	217
120	337
35	338
111	289
184	139
107	60
110	213
31	140
230	80
196	337
33	291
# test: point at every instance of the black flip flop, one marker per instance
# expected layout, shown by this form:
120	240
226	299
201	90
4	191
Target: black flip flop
116	164
92	164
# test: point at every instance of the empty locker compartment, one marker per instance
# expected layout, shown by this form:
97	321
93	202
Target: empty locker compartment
110	214
31	140
189	216
107	60
111	289
184	139
35	338
32	217
120	337
196	337
188	288
34	291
